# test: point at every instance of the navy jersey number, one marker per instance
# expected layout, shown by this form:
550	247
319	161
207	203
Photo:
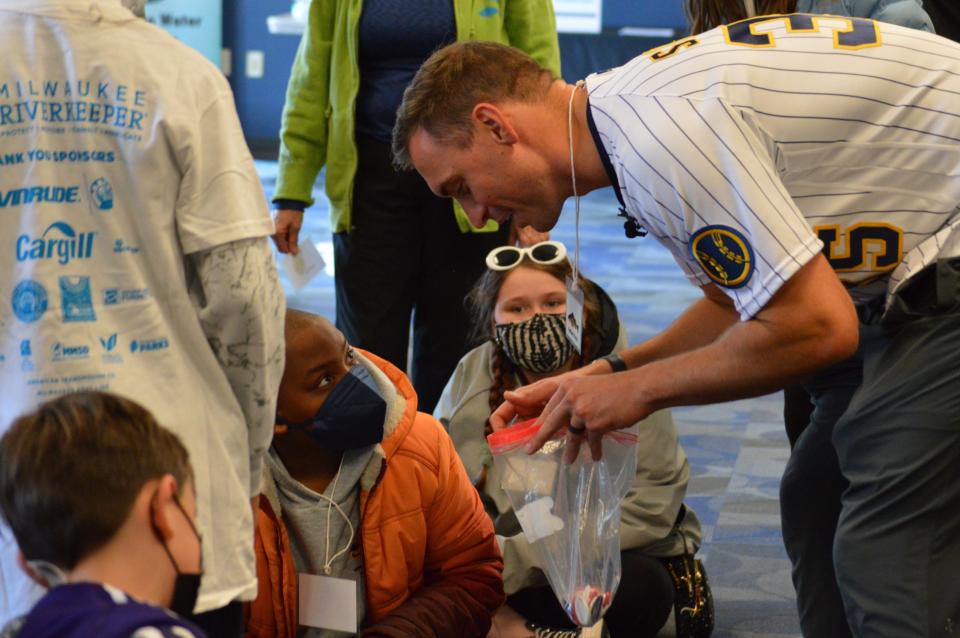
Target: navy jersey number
858	33
850	252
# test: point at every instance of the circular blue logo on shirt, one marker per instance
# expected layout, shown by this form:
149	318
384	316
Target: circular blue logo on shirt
102	193
29	301
724	254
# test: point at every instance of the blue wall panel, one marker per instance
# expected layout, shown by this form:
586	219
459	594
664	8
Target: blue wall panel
643	13
259	100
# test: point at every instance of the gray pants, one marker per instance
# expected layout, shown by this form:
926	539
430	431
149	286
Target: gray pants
878	482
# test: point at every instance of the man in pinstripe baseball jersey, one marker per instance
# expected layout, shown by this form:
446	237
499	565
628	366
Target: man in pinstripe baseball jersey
805	173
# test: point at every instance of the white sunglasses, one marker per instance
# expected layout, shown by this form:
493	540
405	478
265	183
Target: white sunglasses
507	257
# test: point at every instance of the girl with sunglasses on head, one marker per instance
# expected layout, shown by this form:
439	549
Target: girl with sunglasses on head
518	307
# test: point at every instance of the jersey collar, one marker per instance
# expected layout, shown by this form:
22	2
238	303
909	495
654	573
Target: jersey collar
604	157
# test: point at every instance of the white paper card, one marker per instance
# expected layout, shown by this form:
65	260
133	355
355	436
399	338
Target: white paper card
306	265
328	603
574	314
538	520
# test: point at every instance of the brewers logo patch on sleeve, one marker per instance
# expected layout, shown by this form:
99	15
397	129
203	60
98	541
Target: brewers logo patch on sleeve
724	254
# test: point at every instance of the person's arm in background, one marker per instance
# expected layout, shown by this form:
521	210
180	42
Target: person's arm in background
303	129
223	225
241	305
462	572
906	13
531	26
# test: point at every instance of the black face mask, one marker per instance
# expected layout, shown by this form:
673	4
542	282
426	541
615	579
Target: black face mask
538	344
352	416
186	587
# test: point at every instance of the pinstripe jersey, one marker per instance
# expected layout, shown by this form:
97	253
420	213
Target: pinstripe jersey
750	148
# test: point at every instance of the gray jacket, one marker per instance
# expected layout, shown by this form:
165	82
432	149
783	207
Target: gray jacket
648	511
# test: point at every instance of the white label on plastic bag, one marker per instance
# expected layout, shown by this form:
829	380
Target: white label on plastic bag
328	603
306	265
537	474
537	519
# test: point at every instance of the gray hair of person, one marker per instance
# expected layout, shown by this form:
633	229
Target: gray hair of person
443	93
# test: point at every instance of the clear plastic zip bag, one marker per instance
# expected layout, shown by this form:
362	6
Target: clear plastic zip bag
570	513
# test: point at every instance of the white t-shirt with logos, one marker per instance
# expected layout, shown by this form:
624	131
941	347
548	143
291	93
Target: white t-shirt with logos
120	153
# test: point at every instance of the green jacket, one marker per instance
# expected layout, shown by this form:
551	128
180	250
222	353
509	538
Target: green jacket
318	118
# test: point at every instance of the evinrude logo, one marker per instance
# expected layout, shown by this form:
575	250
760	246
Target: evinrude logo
59	241
37	194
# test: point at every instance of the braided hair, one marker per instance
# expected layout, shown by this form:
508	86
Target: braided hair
708	14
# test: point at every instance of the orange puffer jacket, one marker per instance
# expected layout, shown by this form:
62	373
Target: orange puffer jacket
431	563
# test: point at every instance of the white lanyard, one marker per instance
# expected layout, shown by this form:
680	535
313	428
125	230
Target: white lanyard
328	560
751	8
573	178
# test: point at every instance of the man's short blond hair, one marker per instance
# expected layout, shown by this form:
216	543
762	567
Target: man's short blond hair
453	80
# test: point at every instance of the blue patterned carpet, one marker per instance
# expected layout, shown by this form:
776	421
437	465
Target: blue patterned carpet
737	450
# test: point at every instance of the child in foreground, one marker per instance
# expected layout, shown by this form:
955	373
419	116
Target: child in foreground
518	306
100	500
365	493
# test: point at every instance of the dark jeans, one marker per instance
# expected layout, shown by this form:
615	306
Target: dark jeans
226	622
797	412
639	609
870	495
405	253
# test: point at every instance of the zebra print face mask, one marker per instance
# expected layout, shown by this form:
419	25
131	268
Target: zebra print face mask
538	344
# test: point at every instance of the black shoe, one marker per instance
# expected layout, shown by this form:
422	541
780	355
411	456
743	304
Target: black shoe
693	599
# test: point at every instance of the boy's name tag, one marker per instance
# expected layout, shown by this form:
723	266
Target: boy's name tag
306	265
574	320
328	603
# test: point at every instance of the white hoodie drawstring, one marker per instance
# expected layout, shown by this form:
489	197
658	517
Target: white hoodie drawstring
328	560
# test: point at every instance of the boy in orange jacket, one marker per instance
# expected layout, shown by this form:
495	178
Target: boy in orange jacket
365	501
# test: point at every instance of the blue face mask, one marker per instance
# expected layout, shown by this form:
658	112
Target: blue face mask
351	417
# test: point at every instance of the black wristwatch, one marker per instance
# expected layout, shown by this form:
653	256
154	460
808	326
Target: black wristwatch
616	362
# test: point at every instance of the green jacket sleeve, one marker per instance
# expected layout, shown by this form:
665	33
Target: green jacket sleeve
531	26
303	130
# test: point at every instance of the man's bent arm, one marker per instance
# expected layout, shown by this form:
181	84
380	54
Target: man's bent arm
809	324
241	308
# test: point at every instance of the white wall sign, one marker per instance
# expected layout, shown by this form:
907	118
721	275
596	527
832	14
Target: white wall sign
196	23
578	16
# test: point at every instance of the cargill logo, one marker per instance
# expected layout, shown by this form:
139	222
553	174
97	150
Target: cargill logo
37	194
59	241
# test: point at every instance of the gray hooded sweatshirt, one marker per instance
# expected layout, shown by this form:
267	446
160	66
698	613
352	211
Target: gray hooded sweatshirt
648	512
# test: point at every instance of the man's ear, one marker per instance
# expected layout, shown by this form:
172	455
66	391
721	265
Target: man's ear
496	124
161	504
